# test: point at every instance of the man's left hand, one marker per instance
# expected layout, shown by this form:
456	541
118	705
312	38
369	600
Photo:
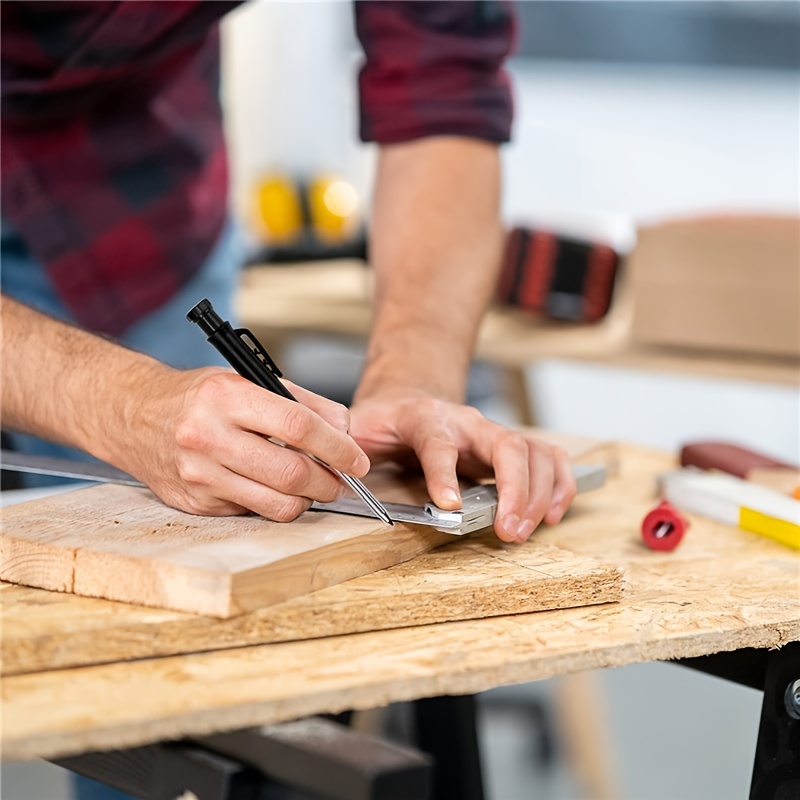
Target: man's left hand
534	480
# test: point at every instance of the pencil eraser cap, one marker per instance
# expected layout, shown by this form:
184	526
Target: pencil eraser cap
204	315
199	311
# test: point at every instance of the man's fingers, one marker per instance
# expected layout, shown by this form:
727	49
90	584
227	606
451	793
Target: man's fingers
540	490
263	500
534	480
280	468
251	408
438	457
305	430
510	459
224	459
335	414
550	492
214	490
564	489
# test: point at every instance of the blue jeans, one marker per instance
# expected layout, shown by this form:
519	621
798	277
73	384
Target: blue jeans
164	334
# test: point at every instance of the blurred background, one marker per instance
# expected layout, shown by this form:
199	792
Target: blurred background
629	114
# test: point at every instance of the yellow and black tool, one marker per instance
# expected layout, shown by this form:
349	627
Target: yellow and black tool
317	219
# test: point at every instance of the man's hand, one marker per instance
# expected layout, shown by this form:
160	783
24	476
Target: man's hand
436	244
534	480
205	445
199	439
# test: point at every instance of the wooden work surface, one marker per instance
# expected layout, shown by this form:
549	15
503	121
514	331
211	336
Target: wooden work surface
277	302
723	589
52	630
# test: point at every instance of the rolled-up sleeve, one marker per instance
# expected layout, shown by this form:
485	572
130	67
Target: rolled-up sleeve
434	68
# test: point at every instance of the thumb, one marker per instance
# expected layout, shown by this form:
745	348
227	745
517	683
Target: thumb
438	457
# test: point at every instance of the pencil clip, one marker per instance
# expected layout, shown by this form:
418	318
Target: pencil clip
263	356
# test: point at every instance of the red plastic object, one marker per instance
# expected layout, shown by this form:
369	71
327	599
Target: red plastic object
663	528
556	276
727	457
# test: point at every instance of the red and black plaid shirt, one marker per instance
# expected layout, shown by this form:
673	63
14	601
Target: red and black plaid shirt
113	159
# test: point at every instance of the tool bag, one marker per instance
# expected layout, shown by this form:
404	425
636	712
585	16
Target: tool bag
556	276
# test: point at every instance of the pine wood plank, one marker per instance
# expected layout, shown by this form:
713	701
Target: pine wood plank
474	577
122	543
722	589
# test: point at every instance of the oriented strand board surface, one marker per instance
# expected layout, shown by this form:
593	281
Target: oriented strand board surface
723	589
473	577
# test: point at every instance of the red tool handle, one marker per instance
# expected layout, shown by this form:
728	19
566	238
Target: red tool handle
726	457
663	528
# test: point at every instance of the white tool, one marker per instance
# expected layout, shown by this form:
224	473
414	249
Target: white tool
735	502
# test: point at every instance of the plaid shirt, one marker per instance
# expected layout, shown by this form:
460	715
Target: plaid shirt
113	160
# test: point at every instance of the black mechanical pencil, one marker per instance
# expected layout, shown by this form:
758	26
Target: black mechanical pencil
240	348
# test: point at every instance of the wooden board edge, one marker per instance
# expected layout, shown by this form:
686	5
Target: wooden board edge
54	744
406	542
54	564
603	582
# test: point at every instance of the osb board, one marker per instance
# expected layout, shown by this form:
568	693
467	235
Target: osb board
474	577
121	543
723	589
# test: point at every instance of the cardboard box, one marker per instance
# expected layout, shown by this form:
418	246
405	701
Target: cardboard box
719	283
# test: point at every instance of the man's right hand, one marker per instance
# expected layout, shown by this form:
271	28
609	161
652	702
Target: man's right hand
200	439
207	447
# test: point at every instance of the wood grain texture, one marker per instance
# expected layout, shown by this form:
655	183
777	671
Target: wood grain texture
723	589
121	543
278	303
473	577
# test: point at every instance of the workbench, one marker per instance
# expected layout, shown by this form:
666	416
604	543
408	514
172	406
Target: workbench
722	590
332	298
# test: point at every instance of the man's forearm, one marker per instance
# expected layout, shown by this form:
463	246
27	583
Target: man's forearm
435	246
62	383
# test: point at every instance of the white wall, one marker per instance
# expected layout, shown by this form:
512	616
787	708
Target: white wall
289	92
598	146
596	149
650	142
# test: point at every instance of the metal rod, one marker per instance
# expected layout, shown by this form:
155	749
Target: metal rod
366	495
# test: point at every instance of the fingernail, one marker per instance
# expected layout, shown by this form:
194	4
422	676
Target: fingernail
511	524
524	530
360	466
450	496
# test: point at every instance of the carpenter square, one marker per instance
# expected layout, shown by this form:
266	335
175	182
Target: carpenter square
479	504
